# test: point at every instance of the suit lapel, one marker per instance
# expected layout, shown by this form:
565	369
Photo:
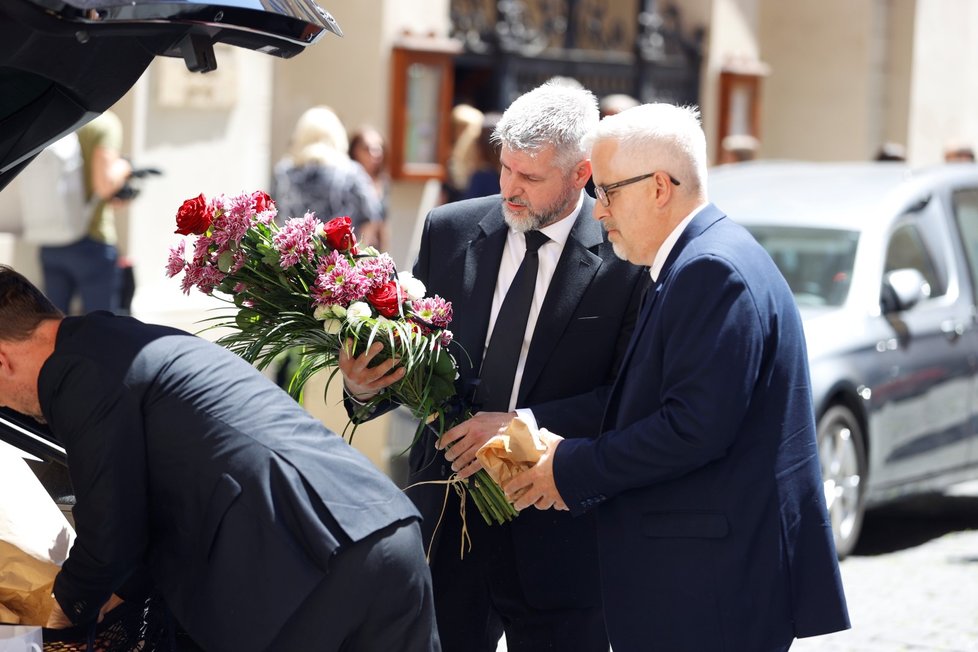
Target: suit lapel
576	268
479	274
703	220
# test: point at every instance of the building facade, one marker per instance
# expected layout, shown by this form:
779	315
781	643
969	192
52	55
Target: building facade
831	80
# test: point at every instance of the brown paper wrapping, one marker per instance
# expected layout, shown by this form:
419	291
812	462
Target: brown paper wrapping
25	587
34	540
510	452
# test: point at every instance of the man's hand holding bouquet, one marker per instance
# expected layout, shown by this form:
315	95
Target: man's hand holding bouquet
306	285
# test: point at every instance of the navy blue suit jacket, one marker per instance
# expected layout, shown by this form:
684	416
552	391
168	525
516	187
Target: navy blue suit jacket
713	531
580	338
187	460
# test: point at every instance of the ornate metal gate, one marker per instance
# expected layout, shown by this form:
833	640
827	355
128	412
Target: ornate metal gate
610	46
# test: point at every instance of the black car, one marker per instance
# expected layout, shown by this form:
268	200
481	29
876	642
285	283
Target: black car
63	62
883	263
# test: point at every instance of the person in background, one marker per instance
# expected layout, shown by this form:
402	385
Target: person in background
89	268
318	176
368	149
261	528
958	152
705	478
466	123
485	178
534	578
616	103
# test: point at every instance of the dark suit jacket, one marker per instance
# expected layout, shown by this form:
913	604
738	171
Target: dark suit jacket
581	334
185	458
712	523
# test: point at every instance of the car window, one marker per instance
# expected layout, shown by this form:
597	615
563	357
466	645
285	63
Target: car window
817	263
907	251
965	206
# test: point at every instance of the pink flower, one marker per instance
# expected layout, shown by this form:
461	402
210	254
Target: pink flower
378	270
433	310
175	262
295	241
210	278
337	281
202	251
446	338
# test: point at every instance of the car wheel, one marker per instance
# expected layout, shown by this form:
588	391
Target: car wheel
842	457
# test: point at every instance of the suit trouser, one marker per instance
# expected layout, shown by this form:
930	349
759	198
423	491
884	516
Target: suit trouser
480	596
87	268
376	597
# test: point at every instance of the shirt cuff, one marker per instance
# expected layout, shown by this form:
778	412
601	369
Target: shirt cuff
526	415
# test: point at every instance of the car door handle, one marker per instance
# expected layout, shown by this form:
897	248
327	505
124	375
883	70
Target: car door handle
952	329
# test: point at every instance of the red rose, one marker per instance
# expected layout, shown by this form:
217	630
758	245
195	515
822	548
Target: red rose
385	298
194	216
339	233
262	201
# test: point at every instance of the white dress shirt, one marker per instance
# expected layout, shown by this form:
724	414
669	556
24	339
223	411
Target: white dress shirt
666	247
513	252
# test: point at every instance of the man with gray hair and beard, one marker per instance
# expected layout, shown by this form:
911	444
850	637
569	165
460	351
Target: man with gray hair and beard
534	578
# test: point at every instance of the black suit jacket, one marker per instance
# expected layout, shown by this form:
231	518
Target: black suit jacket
183	457
581	335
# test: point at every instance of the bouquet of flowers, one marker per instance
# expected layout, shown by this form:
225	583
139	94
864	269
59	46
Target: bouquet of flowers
306	285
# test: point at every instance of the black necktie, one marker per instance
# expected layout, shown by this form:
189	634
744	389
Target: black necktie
503	352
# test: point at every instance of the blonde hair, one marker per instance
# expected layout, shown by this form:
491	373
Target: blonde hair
464	158
319	137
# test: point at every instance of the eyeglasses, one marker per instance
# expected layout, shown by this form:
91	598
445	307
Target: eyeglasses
601	192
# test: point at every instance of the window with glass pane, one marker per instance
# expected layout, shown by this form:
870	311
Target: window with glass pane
965	203
817	263
907	251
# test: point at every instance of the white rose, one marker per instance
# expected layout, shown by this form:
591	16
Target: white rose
358	311
339	311
413	287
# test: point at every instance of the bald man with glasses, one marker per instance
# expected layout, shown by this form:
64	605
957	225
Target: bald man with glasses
712	526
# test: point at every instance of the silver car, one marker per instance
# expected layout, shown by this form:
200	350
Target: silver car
883	263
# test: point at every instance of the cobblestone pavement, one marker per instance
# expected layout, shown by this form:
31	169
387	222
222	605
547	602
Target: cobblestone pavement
912	583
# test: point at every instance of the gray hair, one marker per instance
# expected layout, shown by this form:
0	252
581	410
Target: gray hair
659	137
554	114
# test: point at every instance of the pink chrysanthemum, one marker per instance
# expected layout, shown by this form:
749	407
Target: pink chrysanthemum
338	282
446	338
232	219
433	310
376	269
295	241
210	278
202	251
175	262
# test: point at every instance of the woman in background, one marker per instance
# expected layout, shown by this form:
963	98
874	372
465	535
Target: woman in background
368	149
466	122
318	176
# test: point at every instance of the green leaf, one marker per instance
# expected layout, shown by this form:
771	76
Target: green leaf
225	261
